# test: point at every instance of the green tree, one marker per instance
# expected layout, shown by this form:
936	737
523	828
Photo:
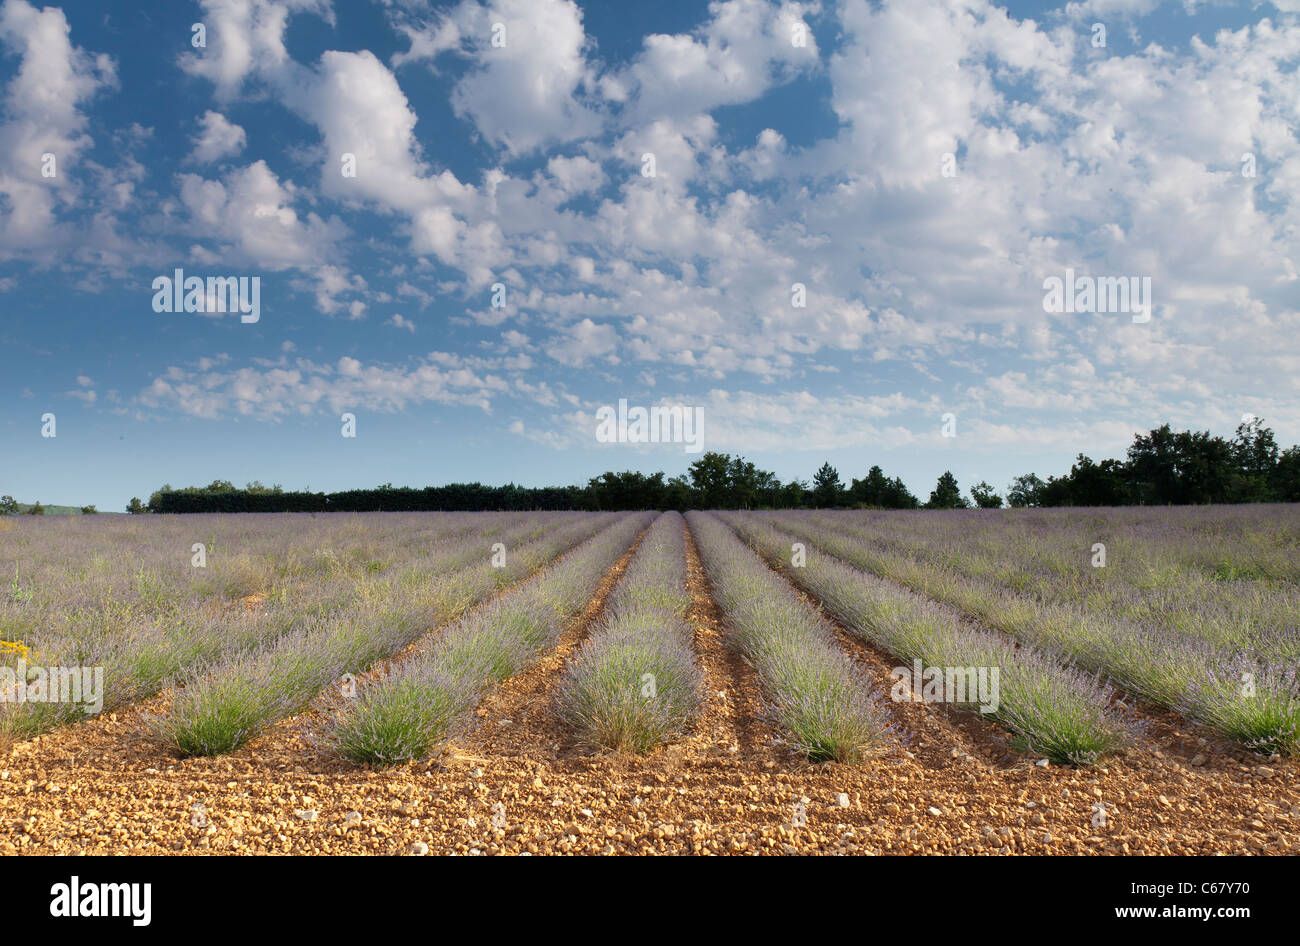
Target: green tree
1285	481
1206	467
135	507
744	482
711	478
947	494
871	489
89	510
678	494
627	490
1253	447
880	491
794	494
769	489
37	509
257	487
1097	484
984	496
1255	455
1180	467
898	496
8	506
1056	492
156	498
1153	466
1025	490
827	489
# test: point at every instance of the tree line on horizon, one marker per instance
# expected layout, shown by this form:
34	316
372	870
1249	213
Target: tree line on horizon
1162	467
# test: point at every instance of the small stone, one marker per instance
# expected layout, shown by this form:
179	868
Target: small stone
935	811
842	799
1198	759
1043	763
477	773
1265	770
306	814
419	849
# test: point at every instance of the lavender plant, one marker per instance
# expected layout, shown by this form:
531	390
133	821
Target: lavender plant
220	710
1053	710
1166	663
635	684
1145	574
145	640
811	689
408	713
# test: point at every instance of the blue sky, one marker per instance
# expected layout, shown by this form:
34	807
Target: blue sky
776	162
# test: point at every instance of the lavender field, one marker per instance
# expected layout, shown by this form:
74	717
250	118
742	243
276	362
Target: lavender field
776	643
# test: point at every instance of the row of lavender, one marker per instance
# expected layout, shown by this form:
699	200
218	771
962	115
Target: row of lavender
409	712
1152	569
635	684
1257	541
1053	711
221	709
432	569
69	578
821	700
1243	684
168	619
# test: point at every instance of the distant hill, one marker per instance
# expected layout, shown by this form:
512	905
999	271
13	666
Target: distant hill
54	510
